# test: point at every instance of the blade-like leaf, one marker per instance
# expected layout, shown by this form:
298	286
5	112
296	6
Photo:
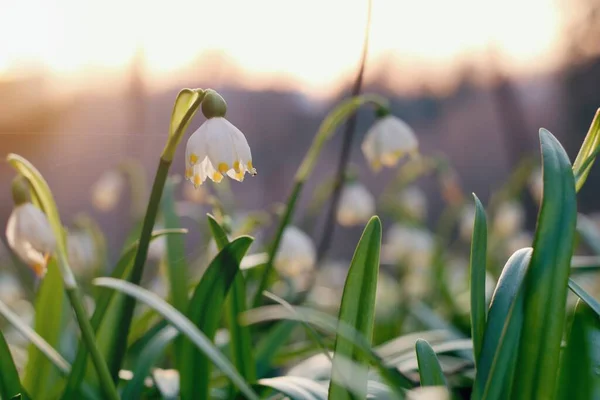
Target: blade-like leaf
503	330
585	296
547	277
478	268
205	311
241	339
295	387
184	325
578	377
430	370
358	307
585	159
10	385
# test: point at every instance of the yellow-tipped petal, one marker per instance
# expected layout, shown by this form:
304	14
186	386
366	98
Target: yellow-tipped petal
236	166
249	164
239	176
193	158
197	180
188	173
223	168
217	177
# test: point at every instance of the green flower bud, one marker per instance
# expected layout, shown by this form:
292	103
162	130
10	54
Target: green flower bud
213	105
381	112
20	190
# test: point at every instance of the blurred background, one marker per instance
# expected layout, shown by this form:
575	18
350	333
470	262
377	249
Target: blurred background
86	85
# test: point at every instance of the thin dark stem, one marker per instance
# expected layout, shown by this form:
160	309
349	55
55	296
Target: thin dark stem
348	138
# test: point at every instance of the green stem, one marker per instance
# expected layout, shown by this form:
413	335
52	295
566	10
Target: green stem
334	119
138	263
88	336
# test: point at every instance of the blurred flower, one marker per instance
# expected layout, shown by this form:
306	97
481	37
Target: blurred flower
199	195
11	290
107	190
158	247
356	205
296	255
388	140
387	296
428	393
536	185
329	285
167	382
407	244
29	234
509	219
217	148
414	202
518	241
467	220
81	250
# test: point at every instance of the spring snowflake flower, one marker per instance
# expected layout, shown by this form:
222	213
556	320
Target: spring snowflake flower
167	382
409	245
414	202
81	251
509	219
29	234
388	140
356	206
107	190
296	255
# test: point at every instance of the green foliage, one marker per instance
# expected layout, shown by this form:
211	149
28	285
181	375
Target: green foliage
478	270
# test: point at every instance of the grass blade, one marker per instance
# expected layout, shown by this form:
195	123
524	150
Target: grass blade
241	339
587	154
585	296
358	307
184	325
547	277
10	385
502	331
212	290
430	370
477	275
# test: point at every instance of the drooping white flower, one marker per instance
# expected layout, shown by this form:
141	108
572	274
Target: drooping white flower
29	234
388	140
216	149
356	205
81	250
414	202
167	382
107	190
410	245
536	185
296	255
509	219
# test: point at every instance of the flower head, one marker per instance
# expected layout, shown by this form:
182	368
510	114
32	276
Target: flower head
356	206
217	149
414	202
410	245
29	234
167	382
388	140
296	255
107	190
509	219
81	250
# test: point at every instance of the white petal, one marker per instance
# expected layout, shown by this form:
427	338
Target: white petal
296	253
167	381
220	145
356	206
388	140
196	146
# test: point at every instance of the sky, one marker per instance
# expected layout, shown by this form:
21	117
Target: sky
311	43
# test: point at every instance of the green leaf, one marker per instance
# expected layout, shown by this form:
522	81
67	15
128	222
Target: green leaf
205	311
270	344
241	339
10	385
148	357
578	377
430	370
478	268
502	330
547	277
106	305
587	154
184	325
296	387
357	309
50	313
585	296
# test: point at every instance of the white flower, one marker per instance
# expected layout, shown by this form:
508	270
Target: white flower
217	148
467	221
536	185
296	255
167	382
414	202
388	140
107	190
509	219
81	250
29	234
356	206
410	245
518	241
387	296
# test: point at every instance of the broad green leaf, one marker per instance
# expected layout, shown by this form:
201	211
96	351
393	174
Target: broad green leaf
587	154
478	268
430	370
10	385
578	377
235	304
148	357
184	325
296	387
585	296
502	330
105	304
547	277
357	309
206	311
50	314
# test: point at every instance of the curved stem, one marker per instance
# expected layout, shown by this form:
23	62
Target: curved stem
340	175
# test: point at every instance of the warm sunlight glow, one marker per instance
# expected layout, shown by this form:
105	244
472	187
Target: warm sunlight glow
312	41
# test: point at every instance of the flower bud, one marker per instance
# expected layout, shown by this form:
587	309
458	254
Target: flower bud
213	105
20	190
